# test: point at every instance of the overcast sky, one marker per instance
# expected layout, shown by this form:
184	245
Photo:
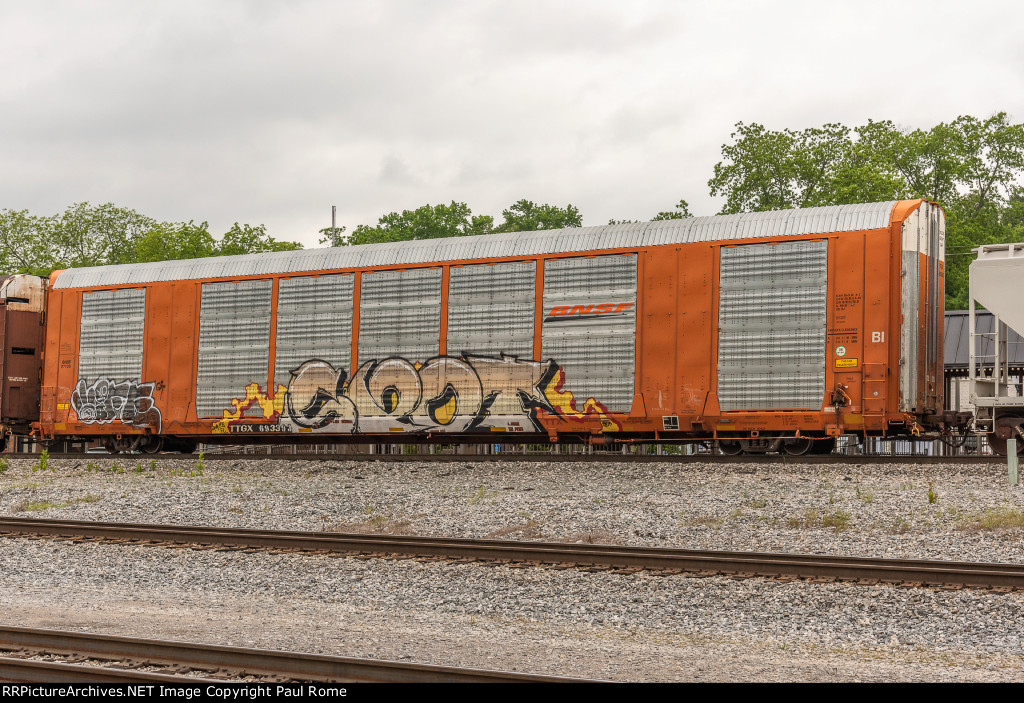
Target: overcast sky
271	112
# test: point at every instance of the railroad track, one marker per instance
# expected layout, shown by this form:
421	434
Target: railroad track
543	458
26	655
617	558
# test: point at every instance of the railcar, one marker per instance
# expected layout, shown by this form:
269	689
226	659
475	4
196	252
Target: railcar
770	331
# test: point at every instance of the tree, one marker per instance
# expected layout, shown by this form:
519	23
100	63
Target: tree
426	222
970	167
249	239
526	216
333	236
88	235
458	220
682	209
169	240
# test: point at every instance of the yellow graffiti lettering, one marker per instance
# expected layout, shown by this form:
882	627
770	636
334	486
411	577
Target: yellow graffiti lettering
565	403
271	405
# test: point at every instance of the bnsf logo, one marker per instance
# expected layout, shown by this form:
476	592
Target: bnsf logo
568	312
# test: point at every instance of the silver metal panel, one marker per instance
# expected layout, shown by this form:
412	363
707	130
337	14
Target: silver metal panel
314	321
910	287
400	315
771	326
234	344
595	348
923	234
518	244
111	339
491	309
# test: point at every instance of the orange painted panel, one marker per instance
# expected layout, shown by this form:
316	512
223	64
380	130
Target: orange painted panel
156	354
658	313
697	329
181	378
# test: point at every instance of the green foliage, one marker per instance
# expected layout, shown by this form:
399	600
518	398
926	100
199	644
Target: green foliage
682	209
932	495
999	518
426	222
200	464
88	235
176	240
42	462
457	220
971	167
333	237
4	465
247	239
527	216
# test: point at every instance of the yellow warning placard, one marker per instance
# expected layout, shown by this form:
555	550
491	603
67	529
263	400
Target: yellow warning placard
845	363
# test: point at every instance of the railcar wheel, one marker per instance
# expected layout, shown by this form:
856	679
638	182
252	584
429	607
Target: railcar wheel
152	445
1007	425
730	447
798	446
124	444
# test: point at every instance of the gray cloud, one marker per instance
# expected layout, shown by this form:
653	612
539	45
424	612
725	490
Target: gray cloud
272	112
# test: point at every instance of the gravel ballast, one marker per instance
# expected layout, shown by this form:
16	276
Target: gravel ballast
626	627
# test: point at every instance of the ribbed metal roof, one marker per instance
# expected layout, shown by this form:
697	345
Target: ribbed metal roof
756	225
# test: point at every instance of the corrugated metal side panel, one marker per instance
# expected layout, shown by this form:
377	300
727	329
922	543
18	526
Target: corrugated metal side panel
597	352
910	288
234	344
778	223
314	321
771	326
113	324
491	309
400	314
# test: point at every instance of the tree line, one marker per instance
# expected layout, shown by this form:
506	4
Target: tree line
94	235
971	167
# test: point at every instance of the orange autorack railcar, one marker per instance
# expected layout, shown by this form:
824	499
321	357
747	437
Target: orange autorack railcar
770	331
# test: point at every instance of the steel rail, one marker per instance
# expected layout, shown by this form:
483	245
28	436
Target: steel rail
811	566
545	458
17	670
223	661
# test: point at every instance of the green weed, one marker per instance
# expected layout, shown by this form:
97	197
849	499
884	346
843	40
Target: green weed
865	495
481	494
811	518
1001	518
932	495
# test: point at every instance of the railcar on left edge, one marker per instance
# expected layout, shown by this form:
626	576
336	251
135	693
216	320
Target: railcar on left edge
22	307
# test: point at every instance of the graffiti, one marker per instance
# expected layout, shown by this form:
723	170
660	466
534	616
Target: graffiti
565	403
446	393
315	397
106	400
453	394
271	406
